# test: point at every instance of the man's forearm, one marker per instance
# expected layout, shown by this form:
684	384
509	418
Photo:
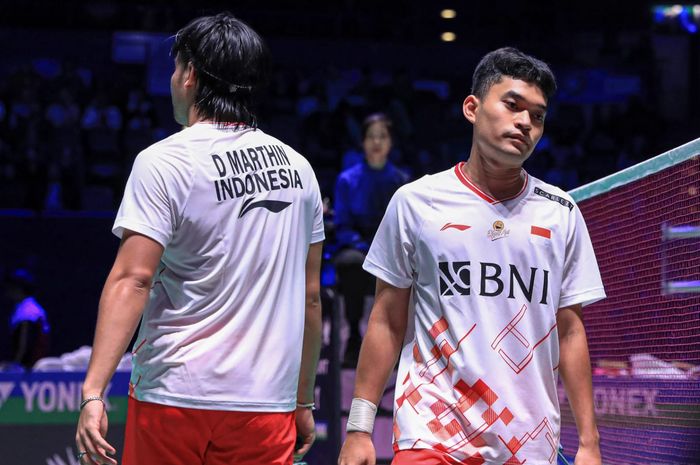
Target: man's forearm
121	305
575	371
310	351
383	341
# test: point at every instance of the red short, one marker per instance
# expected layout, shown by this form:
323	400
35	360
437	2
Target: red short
162	435
424	457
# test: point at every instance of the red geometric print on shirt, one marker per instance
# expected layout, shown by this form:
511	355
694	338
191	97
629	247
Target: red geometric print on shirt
429	456
543	431
441	352
450	420
511	331
457	429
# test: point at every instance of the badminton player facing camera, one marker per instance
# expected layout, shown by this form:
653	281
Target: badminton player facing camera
221	234
482	271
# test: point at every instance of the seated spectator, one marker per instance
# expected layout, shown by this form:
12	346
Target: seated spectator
362	194
29	326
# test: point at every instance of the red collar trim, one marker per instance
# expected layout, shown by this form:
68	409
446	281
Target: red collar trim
464	179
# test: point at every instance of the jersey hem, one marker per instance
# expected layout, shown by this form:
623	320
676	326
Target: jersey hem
233	406
584	298
384	275
317	237
406	445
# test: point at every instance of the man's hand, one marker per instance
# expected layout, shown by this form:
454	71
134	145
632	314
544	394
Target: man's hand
90	437
306	432
357	450
588	456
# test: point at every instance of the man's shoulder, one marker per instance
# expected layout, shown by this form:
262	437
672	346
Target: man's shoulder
428	182
261	137
419	191
170	148
551	192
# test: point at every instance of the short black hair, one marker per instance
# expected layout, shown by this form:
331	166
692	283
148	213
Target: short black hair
376	118
231	61
509	61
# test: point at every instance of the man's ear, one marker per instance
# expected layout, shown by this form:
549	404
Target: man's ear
190	76
470	107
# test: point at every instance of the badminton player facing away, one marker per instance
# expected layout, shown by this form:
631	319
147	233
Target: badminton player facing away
482	272
221	234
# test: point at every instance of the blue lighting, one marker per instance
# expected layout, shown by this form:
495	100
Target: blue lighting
687	21
685	16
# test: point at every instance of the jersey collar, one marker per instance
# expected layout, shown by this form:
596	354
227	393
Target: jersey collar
464	179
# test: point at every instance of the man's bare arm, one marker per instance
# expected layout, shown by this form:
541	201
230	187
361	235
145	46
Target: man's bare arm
382	343
380	350
123	299
575	372
311	349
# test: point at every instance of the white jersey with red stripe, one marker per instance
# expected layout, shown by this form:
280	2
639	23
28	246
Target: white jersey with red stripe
478	372
235	210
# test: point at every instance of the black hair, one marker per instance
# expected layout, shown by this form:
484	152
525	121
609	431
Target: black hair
231	61
509	61
376	118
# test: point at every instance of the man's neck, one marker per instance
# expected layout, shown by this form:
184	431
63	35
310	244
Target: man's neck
193	117
498	181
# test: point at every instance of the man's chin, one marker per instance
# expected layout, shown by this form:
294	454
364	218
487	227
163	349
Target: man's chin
513	157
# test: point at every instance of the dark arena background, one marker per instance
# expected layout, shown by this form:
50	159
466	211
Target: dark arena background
84	86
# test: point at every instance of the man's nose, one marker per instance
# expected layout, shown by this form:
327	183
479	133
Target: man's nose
523	121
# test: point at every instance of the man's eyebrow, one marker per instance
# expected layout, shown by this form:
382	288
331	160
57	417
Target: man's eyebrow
517	96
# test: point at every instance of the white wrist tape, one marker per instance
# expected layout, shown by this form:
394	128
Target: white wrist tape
361	416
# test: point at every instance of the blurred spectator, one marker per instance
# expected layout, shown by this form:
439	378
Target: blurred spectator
67	138
361	196
29	326
140	113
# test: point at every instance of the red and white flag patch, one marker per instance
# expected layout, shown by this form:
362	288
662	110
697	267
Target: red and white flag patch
538	231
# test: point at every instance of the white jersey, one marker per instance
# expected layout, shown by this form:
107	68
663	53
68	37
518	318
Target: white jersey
235	210
478	372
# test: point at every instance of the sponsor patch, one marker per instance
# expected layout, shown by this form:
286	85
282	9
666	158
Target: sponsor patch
498	231
460	227
554	198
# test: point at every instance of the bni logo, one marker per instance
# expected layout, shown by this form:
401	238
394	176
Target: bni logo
5	391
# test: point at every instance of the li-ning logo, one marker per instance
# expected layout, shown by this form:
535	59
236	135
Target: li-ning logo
459	227
499	231
275	206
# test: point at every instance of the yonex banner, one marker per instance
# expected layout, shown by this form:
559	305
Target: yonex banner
39	414
643	411
54	398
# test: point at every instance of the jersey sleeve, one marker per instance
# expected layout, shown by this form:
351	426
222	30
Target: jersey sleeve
391	256
146	207
581	281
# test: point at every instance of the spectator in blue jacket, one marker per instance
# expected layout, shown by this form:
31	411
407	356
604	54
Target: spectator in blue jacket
362	193
29	325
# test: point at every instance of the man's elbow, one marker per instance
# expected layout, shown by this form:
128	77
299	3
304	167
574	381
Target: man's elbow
139	279
313	300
